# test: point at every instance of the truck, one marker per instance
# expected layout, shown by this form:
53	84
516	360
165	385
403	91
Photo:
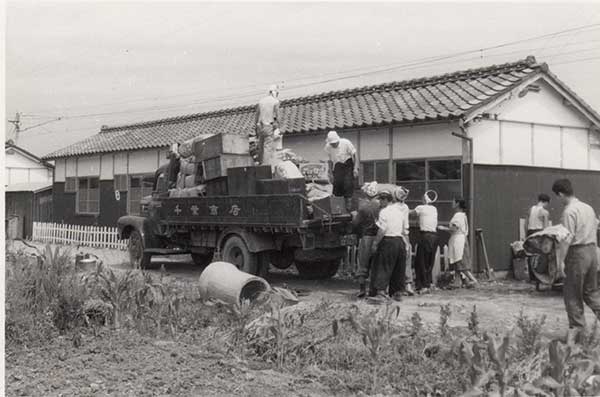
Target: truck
250	231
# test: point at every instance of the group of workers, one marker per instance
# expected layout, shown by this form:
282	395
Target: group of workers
382	222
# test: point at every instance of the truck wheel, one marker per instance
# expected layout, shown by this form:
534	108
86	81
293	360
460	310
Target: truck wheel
236	252
318	270
282	259
202	259
137	257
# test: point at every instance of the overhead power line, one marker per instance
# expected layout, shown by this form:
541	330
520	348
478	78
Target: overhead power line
366	68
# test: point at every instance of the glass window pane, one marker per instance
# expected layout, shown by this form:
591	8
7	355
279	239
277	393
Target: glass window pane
416	190
445	169
94	183
368	171
447	190
148	181
134	207
445	211
135	182
410	171
382	172
93	206
83	183
135	193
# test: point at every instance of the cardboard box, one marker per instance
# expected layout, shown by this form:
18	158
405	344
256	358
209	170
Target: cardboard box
281	186
220	144
241	181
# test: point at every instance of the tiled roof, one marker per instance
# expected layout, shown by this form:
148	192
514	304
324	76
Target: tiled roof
443	97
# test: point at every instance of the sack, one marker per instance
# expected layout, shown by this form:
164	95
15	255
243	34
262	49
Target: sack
190	181
287	170
186	149
316	191
180	181
188	166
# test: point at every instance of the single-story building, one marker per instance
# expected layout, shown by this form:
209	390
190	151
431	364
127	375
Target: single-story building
527	128
28	191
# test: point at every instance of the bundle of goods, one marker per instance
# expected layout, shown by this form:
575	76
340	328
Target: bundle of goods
195	191
221	152
187	173
286	170
551	245
316	191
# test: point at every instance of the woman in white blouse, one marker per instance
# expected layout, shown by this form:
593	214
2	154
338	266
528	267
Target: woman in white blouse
458	245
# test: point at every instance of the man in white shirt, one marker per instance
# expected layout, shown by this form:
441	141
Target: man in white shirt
343	166
267	126
389	247
538	218
428	242
581	262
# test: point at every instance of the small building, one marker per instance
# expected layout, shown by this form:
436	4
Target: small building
526	126
28	191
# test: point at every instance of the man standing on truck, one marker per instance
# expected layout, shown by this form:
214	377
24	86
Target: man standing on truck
343	166
267	126
581	262
365	223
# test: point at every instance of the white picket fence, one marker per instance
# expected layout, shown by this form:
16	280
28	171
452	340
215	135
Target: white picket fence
89	236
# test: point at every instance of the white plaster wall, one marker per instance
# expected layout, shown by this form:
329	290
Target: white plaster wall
60	170
486	141
575	148
88	166
595	159
162	159
428	141
374	144
545	106
71	167
516	144
547	151
18	160
106	167
22	169
143	161
120	160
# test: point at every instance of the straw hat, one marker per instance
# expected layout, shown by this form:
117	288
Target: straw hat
332	137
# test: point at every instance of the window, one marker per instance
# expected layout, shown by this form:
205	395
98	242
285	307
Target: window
375	171
88	196
140	186
71	185
443	176
121	183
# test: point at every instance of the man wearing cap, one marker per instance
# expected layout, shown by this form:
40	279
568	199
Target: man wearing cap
365	224
267	126
343	166
390	249
400	194
428	241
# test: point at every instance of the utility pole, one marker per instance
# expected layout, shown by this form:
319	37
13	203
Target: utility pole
17	124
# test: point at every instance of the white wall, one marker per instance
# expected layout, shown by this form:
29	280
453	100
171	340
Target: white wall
60	170
143	161
120	161
535	130
311	147
428	141
88	166
106	166
20	168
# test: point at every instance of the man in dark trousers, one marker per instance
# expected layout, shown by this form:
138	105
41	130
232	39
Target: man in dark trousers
343	166
428	242
390	249
581	262
364	222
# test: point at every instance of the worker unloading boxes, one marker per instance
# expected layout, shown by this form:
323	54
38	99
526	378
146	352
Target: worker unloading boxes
343	166
267	127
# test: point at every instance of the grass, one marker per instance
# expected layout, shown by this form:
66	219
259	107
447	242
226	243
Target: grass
341	346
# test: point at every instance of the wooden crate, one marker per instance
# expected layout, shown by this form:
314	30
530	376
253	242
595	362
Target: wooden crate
217	187
241	181
220	144
217	167
281	186
332	205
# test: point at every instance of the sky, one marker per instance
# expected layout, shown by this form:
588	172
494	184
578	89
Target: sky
92	64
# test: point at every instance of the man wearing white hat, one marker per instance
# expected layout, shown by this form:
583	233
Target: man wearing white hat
267	126
343	166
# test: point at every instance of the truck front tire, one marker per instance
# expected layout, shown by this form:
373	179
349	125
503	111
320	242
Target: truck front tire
137	257
236	252
318	270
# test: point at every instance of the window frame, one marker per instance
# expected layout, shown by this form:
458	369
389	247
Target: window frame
129	195
78	195
374	163
75	187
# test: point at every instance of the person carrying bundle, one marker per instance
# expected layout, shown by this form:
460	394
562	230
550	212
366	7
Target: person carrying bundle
267	126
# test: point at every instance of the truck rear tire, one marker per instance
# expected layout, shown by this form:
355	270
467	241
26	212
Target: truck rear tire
237	253
282	259
137	257
318	270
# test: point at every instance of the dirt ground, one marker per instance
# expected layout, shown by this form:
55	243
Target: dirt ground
127	364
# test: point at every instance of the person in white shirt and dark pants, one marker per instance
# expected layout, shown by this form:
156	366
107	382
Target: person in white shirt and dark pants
343	166
427	244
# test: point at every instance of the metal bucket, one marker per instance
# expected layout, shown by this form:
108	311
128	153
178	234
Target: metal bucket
223	281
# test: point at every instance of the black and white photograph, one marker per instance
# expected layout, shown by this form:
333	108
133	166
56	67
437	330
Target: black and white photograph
301	198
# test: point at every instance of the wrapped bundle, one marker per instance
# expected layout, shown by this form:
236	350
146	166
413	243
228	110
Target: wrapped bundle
286	170
188	165
552	243
317	191
189	181
186	149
